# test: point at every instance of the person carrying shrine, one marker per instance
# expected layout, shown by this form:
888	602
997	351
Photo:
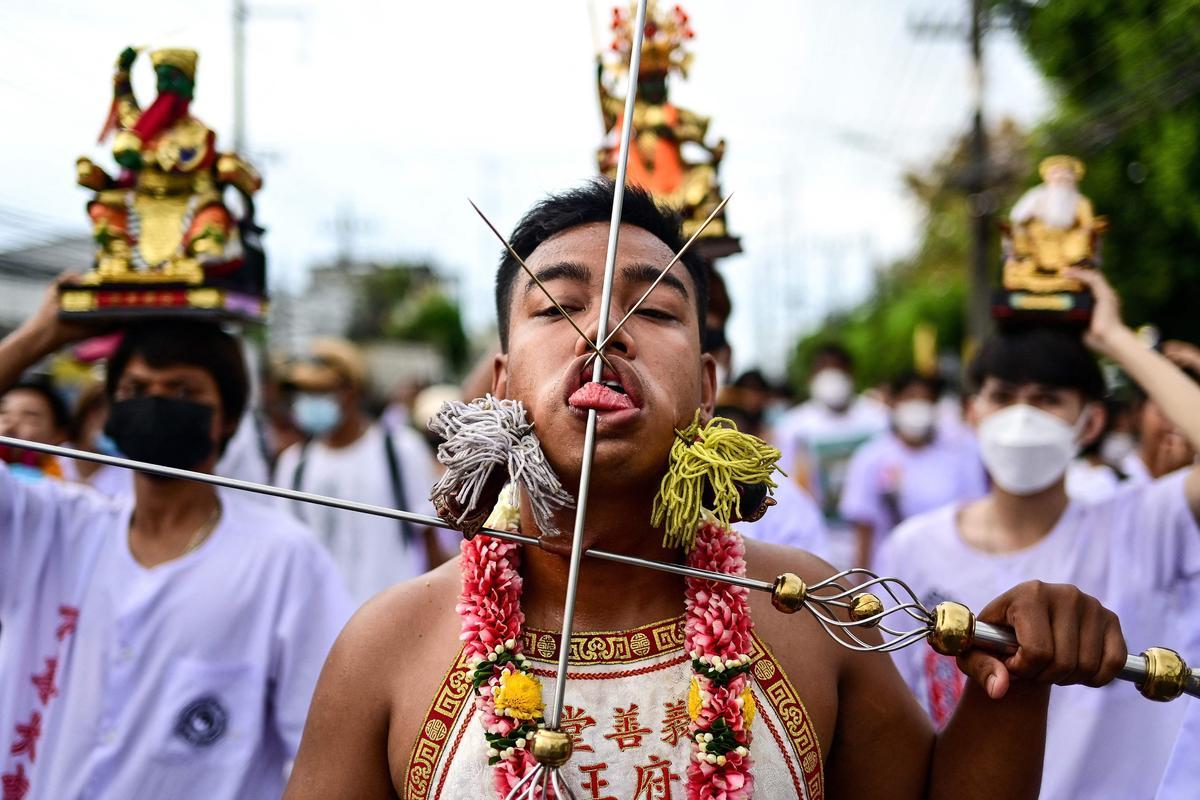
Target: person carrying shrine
165	644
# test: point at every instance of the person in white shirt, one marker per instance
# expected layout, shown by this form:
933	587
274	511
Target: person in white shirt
817	438
353	458
35	411
1037	391
242	457
909	469
167	645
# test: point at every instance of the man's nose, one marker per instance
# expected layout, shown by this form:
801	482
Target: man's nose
620	342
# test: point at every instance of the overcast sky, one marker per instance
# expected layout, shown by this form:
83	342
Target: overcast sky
390	114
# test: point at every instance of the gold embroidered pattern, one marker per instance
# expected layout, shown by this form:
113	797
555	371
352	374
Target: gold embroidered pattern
782	696
608	647
439	721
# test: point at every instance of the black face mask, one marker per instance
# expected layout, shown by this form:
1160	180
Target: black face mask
162	430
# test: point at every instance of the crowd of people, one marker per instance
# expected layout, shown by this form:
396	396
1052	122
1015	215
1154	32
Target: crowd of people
163	638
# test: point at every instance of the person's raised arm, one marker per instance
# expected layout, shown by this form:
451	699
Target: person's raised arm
39	336
1175	393
344	750
31	515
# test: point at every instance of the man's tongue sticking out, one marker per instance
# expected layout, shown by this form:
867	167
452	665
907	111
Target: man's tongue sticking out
600	397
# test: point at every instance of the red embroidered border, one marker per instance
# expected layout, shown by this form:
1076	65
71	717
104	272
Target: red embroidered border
786	702
462	730
438	723
608	647
623	673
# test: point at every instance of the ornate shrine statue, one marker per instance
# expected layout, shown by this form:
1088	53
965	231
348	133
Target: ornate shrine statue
660	128
1052	228
165	238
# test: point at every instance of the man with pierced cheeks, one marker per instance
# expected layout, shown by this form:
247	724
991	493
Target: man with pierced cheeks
372	721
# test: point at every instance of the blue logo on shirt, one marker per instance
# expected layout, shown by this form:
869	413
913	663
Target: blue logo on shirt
202	722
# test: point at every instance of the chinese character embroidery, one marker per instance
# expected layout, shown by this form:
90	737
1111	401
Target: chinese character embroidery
675	722
594	782
574	722
654	780
626	731
70	616
45	681
27	736
16	785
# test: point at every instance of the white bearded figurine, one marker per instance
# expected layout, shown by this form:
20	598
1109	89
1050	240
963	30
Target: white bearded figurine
1053	227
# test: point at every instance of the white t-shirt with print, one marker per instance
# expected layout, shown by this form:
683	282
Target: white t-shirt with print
794	521
1132	552
815	444
371	552
1182	779
191	679
888	481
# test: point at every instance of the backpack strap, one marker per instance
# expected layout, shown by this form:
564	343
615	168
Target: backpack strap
407	534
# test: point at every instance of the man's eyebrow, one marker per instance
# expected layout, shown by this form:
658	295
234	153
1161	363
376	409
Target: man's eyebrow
648	273
565	270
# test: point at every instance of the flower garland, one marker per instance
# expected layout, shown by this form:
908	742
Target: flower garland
507	693
717	636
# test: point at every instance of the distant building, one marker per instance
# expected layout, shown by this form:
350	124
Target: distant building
25	272
327	307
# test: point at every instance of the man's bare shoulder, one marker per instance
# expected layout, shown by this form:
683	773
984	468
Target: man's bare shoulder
407	630
811	660
377	683
765	561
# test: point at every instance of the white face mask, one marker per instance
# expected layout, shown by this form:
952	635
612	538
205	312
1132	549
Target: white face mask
1116	447
832	388
1026	449
914	419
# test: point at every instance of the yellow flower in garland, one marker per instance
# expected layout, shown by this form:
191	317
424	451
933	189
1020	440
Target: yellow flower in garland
749	706
519	696
694	701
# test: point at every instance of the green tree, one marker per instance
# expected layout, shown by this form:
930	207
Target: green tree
928	287
406	302
1127	76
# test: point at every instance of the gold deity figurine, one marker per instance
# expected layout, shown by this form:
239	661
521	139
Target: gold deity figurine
660	128
1053	227
161	222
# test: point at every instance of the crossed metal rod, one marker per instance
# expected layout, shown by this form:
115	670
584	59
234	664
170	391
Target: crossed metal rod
841	607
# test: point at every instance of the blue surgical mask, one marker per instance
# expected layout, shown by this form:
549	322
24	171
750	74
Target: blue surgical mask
316	414
105	445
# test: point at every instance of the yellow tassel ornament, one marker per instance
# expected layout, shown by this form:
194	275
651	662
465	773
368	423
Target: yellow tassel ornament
710	463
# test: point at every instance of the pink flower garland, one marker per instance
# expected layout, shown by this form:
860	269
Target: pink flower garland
717	632
490	609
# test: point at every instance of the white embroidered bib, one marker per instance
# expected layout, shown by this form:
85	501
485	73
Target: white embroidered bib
626	711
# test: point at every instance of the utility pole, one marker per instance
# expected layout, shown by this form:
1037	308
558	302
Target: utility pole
241	15
979	195
976	178
239	76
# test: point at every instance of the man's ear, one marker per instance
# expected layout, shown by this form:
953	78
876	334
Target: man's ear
708	385
972	415
1094	426
500	376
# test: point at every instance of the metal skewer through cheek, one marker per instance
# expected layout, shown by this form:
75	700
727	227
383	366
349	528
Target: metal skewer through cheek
950	628
551	747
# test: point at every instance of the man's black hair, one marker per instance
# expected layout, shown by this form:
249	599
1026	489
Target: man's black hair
753	379
1054	357
591	202
169	343
42	386
832	351
909	378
